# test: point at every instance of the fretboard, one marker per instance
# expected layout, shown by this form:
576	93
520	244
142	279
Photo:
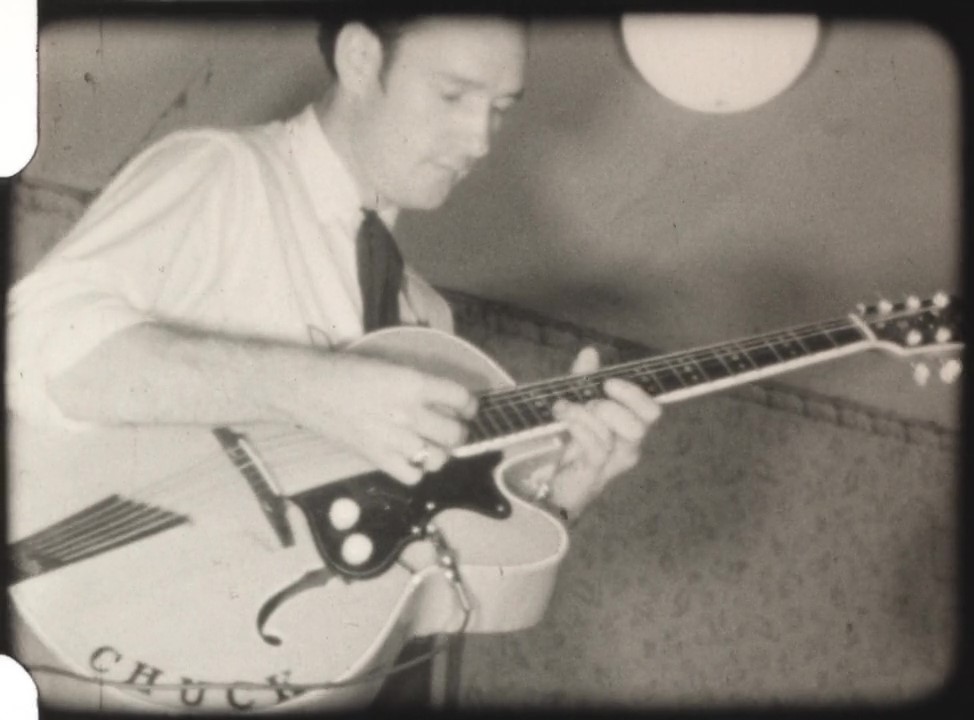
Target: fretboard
505	414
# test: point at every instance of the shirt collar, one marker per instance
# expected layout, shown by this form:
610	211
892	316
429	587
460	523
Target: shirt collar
325	175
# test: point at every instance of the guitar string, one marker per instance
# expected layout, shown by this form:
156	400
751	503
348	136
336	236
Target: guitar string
580	387
181	485
495	399
118	512
514	399
89	530
799	333
186	487
658	362
531	398
102	542
188	483
669	361
302	440
105	528
531	401
76	535
183	686
526	395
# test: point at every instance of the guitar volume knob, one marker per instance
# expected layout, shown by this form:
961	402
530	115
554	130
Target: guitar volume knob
344	513
356	549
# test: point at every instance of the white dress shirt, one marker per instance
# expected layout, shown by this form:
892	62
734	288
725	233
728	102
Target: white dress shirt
248	232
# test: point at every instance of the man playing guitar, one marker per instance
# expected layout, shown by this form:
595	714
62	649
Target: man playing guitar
218	278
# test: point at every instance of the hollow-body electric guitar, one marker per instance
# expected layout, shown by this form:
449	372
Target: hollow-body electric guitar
257	567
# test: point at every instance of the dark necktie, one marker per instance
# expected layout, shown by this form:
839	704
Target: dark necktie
379	273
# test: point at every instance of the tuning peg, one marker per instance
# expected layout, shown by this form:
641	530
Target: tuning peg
950	370
884	306
913	302
943	335
921	373
914	338
941	299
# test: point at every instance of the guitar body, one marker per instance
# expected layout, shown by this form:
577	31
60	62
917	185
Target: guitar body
220	595
187	568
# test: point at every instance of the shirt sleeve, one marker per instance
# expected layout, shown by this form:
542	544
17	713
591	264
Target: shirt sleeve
142	251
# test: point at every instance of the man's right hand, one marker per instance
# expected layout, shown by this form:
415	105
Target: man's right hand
381	411
387	413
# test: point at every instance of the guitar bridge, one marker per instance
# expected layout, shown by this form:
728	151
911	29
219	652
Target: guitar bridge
248	462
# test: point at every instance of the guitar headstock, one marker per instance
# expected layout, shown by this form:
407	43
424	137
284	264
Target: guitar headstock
917	327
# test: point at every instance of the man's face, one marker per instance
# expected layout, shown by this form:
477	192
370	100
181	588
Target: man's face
442	99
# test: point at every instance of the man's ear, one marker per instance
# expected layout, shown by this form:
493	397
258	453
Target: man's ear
358	57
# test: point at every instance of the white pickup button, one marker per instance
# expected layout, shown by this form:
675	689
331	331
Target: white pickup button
356	549
344	513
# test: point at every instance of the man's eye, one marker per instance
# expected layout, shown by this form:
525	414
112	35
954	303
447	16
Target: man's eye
450	96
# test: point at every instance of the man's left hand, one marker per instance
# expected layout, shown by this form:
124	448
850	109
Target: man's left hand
605	437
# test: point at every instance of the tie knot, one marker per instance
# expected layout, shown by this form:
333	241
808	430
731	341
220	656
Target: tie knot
370	218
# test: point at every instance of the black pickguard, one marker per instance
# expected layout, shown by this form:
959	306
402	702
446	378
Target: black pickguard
394	514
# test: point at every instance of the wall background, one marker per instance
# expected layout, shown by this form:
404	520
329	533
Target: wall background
773	547
790	540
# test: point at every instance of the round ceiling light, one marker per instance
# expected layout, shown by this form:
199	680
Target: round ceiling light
721	63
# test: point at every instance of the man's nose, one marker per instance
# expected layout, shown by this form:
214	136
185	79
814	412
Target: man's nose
475	133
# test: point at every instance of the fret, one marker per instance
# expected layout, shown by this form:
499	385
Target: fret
818	342
668	380
508	412
519	420
795	337
590	390
573	392
498	419
789	348
647	381
690	372
846	335
763	356
475	432
714	367
537	410
480	428
776	349
736	359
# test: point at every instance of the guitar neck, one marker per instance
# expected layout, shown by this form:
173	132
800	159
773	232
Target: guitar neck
507	414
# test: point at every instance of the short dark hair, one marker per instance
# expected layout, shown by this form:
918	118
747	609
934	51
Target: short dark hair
387	27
